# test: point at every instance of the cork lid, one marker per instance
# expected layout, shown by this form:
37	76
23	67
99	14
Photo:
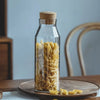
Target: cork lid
47	15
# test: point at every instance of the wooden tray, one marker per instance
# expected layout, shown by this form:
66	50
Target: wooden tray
89	89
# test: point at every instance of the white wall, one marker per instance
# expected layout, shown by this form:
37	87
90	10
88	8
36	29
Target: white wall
23	18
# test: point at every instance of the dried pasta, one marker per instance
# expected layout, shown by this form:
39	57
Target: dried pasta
65	92
47	66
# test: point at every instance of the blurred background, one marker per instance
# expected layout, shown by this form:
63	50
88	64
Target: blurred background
23	22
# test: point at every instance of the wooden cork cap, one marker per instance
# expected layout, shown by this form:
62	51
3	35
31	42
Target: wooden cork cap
47	15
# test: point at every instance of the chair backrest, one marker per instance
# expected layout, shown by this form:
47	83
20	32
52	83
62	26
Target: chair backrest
85	28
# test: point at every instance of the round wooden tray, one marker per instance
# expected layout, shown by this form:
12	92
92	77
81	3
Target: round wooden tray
89	89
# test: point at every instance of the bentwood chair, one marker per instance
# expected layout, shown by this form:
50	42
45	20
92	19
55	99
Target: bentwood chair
84	29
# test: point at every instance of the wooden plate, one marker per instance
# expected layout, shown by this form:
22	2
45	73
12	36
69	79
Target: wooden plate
89	89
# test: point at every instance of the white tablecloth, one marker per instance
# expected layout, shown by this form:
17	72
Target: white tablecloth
20	96
17	96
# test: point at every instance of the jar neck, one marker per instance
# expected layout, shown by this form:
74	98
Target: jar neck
48	22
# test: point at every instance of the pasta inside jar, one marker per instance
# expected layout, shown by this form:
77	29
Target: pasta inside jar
47	66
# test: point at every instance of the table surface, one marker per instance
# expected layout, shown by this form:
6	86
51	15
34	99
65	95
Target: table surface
10	88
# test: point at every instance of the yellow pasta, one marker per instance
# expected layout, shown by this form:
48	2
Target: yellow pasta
47	66
65	92
72	93
77	91
53	92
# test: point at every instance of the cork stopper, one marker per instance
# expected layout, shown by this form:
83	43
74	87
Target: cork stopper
49	17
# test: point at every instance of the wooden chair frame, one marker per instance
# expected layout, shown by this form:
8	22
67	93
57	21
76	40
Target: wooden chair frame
79	48
67	54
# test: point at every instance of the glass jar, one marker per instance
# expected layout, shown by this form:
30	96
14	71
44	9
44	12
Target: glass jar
47	51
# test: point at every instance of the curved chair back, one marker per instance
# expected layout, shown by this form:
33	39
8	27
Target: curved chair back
85	27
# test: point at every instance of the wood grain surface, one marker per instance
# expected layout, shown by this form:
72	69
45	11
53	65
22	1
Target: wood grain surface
3	61
89	89
6	71
12	85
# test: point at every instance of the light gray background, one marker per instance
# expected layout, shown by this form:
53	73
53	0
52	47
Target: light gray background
23	18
